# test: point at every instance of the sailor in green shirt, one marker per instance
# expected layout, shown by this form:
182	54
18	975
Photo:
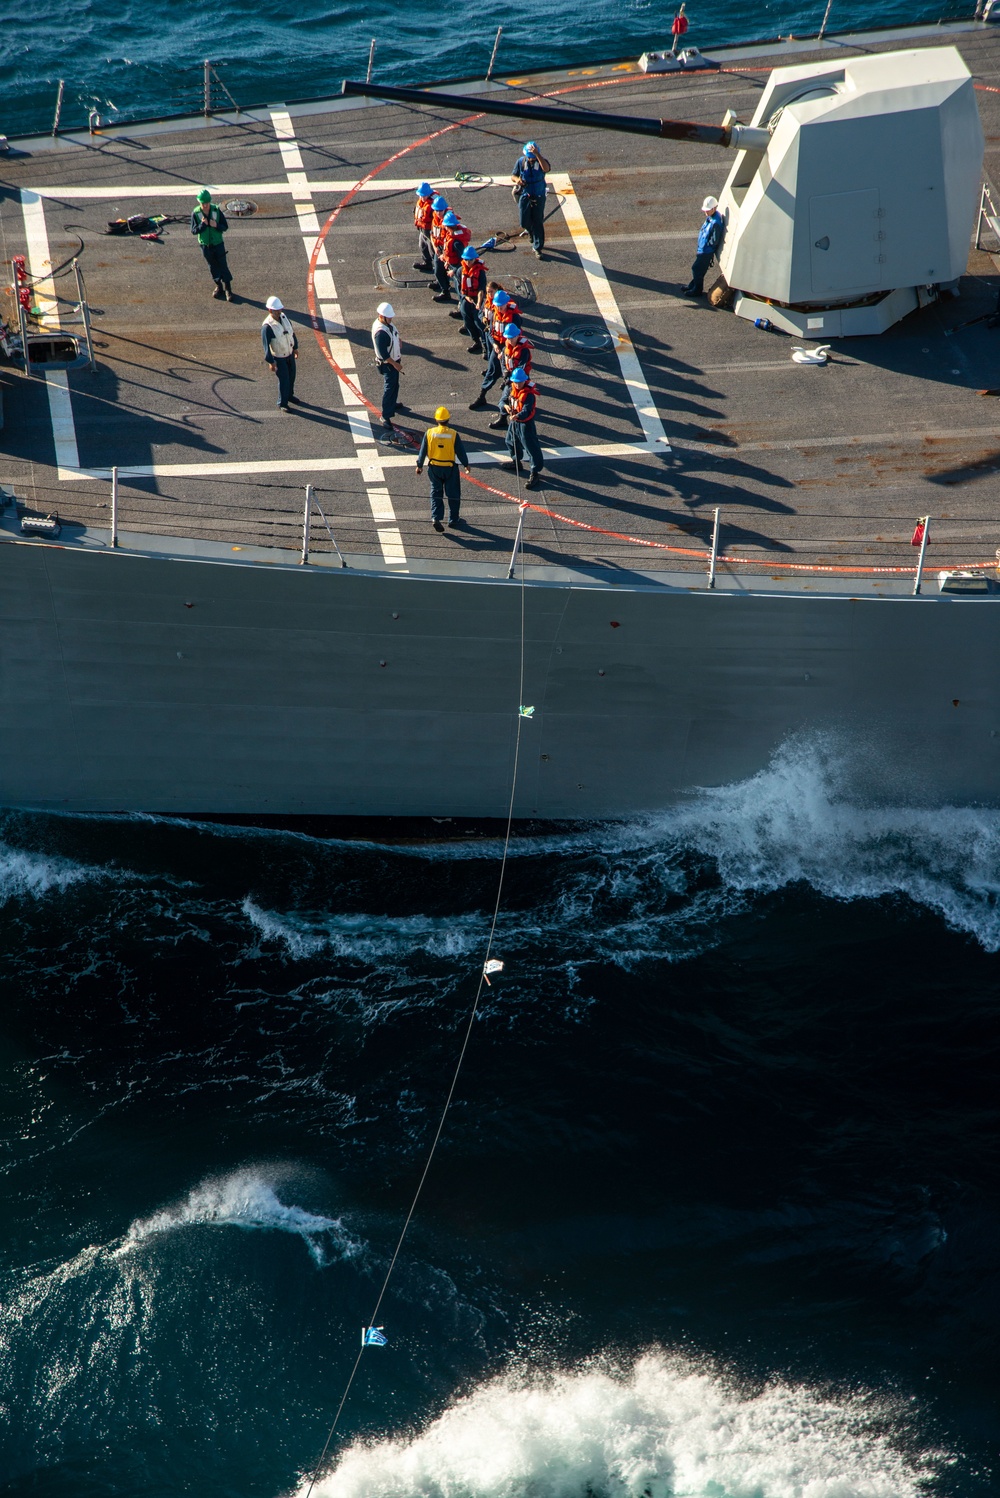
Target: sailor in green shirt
210	224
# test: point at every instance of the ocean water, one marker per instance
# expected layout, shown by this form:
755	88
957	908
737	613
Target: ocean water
715	1212
129	59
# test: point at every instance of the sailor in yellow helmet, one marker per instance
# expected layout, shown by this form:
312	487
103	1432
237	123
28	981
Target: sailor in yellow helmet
443	450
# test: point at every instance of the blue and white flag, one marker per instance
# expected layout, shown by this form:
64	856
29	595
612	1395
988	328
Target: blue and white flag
373	1336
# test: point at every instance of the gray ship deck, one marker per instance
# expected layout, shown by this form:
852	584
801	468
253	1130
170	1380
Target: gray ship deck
692	409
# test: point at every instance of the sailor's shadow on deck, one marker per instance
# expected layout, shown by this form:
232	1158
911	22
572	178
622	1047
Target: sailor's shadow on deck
114	427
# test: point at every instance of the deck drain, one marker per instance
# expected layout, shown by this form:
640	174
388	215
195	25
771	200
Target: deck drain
241	207
587	338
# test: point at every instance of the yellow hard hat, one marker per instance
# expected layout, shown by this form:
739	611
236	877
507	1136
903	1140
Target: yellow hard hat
442	414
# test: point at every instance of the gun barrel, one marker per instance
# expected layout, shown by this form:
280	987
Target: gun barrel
706	135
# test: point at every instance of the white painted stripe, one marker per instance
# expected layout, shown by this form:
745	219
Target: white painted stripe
372	462
56	381
358	419
597	279
391	543
240	189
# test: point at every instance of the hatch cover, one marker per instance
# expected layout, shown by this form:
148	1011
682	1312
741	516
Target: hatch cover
397	271
587	338
240	207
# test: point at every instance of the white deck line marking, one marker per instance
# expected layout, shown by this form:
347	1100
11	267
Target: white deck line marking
597	279
302	187
370	459
56	381
386	526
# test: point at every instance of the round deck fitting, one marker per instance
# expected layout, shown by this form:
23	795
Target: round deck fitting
241	207
587	338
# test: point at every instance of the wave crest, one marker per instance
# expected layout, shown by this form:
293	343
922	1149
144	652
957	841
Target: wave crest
660	1430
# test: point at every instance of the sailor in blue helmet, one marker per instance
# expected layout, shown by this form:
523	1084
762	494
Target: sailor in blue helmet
528	178
522	439
472	290
445	259
713	232
439	207
423	211
493	333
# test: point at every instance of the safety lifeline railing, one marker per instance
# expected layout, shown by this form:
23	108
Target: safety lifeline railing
988	214
311	503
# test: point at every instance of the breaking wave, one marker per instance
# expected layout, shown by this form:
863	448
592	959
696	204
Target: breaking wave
662	1429
36	874
248	1199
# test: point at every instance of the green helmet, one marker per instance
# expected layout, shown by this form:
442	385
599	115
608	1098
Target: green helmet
204	196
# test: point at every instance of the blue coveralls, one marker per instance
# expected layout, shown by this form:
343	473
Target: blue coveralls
522	438
531	204
283	367
390	375
445	480
713	232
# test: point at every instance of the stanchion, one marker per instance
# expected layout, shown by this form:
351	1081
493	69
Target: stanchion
517	542
114	508
715	550
306	525
920	559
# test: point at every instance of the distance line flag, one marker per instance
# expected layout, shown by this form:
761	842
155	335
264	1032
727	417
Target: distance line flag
373	1336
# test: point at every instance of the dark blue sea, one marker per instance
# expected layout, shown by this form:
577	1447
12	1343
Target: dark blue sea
716	1210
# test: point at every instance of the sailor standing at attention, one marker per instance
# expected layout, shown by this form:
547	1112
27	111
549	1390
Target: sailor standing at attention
280	350
713	232
442	450
388	361
529	189
210	224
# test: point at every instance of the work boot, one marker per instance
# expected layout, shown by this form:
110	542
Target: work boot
419	265
479	404
454	314
229	293
499	422
439	527
218	293
508	467
475	348
534	482
443	296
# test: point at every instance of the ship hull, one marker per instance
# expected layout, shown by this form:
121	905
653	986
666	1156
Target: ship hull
143	683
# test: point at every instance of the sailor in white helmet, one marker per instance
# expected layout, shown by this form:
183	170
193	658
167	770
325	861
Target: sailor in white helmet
389	362
280	350
713	232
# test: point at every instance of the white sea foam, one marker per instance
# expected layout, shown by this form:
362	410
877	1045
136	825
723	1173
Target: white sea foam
36	874
797	820
661	1429
248	1199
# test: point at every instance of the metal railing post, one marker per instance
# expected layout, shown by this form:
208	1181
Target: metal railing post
493	54
923	550
22	319
306	525
826	17
207	88
114	508
979	218
85	314
715	550
517	542
59	105
371	61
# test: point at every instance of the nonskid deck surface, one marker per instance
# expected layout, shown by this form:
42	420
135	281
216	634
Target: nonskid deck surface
691	409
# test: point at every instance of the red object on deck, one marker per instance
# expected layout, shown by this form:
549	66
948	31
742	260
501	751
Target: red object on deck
918	534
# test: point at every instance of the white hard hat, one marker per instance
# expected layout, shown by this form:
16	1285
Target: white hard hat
384	309
274	304
709	205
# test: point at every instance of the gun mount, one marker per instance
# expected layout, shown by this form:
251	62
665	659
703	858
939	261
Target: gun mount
853	195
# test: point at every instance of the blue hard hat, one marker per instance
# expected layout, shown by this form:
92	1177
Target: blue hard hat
452	220
531	145
518	377
424	190
439	204
470	252
511	330
501	299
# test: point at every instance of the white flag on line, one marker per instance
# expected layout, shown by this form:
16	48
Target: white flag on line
493	966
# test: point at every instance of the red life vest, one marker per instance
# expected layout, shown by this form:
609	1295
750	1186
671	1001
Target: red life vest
454	244
516	354
473	276
438	230
522	401
501	317
423	213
